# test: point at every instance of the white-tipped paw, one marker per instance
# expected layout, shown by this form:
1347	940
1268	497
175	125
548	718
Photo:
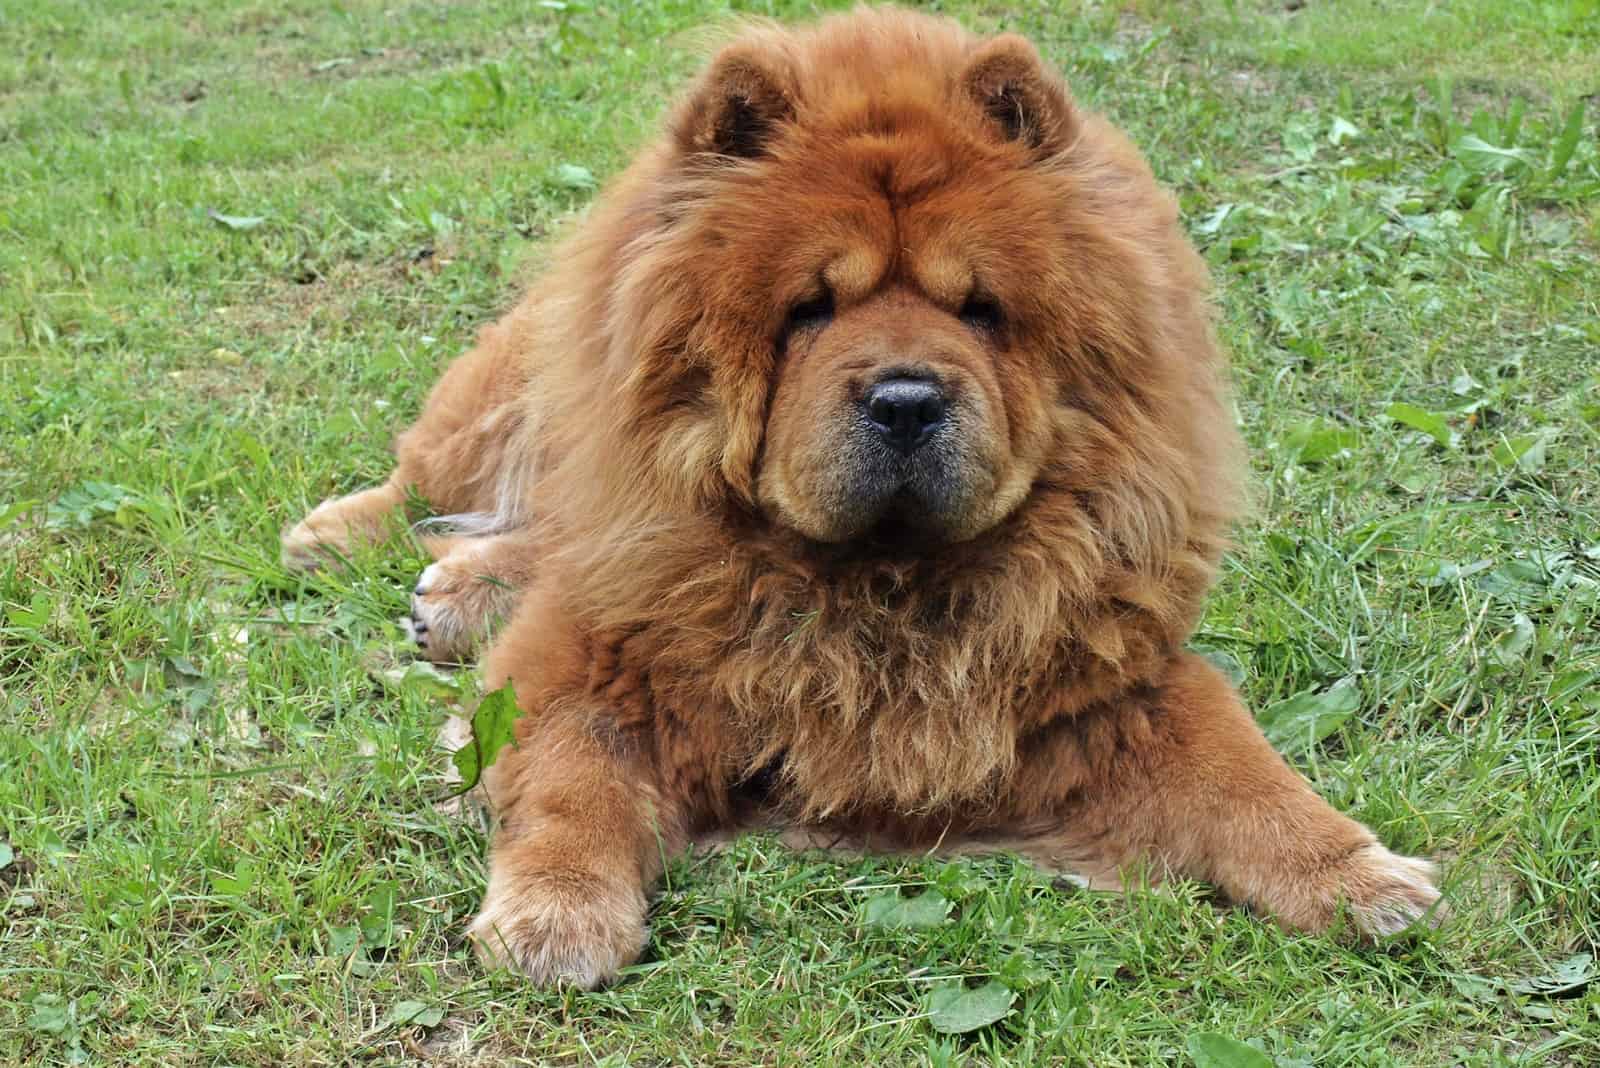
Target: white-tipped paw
453	607
1388	893
561	931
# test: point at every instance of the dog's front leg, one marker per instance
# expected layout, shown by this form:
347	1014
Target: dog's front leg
582	835
1183	780
585	825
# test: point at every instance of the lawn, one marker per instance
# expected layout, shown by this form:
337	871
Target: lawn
238	240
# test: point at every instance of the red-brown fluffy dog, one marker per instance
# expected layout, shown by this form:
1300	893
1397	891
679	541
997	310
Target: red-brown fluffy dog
859	467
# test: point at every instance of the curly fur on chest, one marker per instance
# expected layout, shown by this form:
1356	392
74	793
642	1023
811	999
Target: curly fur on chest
908	686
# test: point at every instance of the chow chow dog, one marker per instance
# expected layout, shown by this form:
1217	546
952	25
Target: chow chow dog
858	467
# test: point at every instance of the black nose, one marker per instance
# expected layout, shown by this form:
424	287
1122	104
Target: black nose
905	411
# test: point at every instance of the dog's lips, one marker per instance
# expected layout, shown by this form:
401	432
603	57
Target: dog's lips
899	520
903	525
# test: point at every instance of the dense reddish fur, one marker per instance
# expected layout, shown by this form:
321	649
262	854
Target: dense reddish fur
658	469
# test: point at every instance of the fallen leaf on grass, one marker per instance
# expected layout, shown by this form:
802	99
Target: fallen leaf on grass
236	222
1314	443
1567	979
1525	452
1297	723
1511	646
891	910
420	676
1211	1050
413	1014
955	1010
1430	423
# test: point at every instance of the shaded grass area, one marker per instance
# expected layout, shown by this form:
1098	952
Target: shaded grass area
222	838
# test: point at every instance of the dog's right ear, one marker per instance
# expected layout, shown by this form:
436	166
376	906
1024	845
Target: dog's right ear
737	105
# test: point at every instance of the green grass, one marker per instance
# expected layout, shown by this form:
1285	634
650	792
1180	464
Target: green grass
220	837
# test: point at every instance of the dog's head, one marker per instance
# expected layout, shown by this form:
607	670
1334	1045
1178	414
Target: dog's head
891	285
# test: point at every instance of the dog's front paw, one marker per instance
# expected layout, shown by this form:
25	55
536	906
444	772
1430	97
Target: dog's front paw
452	609
1388	893
1382	893
572	930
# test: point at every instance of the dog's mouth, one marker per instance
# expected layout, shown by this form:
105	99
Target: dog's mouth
899	527
902	524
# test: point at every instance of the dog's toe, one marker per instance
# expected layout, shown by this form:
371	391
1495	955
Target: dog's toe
1389	893
440	621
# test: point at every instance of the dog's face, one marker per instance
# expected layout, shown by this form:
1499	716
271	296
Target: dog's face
884	303
907	401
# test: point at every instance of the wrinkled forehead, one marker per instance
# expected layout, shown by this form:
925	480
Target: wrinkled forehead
905	207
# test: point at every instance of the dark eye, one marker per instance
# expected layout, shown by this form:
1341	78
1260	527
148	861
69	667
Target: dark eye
810	314
813	314
982	313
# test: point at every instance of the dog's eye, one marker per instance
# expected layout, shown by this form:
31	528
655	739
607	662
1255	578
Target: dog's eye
810	314
982	313
813	314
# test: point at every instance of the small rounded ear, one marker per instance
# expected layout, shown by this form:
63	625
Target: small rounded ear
1022	98
738	103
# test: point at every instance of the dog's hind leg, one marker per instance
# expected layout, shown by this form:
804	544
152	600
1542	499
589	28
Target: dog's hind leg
466	454
338	524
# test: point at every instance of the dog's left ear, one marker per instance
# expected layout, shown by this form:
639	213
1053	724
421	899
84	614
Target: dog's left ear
738	104
1021	98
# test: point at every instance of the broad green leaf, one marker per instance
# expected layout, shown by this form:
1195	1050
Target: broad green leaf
494	724
1429	423
1297	723
51	1014
1526	452
1211	1050
1567	143
956	1009
1480	156
240	882
423	677
929	909
34	616
1342	130
1213	222
342	941
1413	482
1564	687
1224	662
7	854
236	222
84	504
1314	443
184	667
378	923
1567	979
572	176
1489	222
1512	646
413	1014
1475	987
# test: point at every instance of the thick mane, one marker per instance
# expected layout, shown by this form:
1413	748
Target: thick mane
904	681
